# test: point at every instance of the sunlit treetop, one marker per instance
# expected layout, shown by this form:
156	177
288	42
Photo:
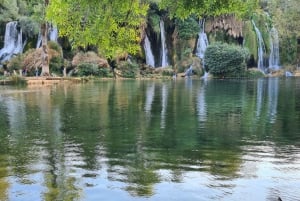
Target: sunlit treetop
113	26
207	8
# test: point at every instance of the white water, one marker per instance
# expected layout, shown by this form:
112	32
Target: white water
274	60
13	42
260	50
202	44
202	40
148	52
52	35
164	51
189	71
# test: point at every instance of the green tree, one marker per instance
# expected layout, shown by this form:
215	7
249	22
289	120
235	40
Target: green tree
113	26
203	8
8	10
286	18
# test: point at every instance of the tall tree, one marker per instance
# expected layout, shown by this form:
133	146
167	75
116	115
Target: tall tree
204	8
44	34
114	26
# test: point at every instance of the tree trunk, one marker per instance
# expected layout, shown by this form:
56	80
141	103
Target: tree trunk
45	56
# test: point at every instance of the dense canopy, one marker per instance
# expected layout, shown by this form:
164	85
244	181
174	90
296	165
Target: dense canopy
113	26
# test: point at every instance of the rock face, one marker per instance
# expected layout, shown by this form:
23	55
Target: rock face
227	23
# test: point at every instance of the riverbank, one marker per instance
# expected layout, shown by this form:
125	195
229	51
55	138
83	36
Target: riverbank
58	80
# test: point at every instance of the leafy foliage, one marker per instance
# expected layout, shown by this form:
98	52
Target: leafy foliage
113	26
222	59
285	15
56	64
128	69
88	69
8	10
188	28
185	8
29	27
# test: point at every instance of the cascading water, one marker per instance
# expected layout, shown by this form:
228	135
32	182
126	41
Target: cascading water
13	42
202	44
52	35
274	61
261	49
202	40
148	52
164	51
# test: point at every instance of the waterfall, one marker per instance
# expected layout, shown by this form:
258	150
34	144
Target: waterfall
52	36
274	61
261	49
202	40
39	41
13	42
189	71
53	33
164	51
148	52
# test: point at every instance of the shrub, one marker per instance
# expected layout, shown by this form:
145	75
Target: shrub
54	46
254	73
223	60
89	57
87	69
128	69
56	63
15	63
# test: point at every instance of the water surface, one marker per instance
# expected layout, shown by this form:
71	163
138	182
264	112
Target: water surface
151	140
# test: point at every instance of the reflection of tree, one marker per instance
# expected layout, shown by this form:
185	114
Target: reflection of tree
125	143
4	161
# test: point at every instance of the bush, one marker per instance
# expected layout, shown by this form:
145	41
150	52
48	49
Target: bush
54	46
87	69
15	63
223	60
254	73
56	64
128	69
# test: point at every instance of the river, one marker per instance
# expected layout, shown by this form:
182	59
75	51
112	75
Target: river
126	140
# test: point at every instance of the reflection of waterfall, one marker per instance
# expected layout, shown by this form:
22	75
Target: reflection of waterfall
13	43
272	98
52	36
164	103
148	52
149	98
259	96
267	97
202	40
274	47
201	104
164	51
261	49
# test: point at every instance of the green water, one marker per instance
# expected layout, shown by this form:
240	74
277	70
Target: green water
151	140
